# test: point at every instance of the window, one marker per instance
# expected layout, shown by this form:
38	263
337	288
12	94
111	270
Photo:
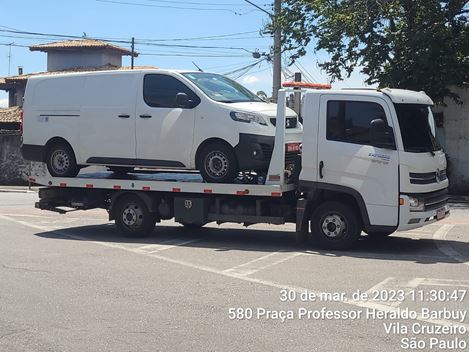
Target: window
160	91
349	121
220	88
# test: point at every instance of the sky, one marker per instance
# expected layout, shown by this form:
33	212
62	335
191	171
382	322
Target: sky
164	22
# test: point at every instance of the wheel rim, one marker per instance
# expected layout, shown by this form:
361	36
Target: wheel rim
216	164
133	215
333	226
60	161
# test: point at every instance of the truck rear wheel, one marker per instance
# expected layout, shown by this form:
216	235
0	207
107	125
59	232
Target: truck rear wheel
335	225
60	160
133	217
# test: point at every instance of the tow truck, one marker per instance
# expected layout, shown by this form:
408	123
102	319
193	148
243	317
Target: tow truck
362	169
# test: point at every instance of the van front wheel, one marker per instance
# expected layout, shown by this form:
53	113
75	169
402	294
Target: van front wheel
60	161
218	163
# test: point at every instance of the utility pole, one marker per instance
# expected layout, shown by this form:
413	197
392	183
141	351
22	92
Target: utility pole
277	44
276	49
132	55
9	57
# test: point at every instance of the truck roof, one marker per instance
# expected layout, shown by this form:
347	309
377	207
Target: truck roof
398	96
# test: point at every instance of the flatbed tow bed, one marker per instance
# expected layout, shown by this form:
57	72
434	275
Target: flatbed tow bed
164	196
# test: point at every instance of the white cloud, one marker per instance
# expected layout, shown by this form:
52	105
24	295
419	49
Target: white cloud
4	103
250	80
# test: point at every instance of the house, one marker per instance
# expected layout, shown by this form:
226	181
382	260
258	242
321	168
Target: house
67	56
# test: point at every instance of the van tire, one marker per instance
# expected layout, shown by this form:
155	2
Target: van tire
133	218
217	163
335	225
60	160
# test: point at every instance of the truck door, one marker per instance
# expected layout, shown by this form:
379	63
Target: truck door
164	130
346	157
107	121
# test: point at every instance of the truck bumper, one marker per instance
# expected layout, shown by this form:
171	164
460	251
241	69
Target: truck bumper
414	219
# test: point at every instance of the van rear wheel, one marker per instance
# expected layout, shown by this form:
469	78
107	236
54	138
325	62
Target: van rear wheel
60	160
218	163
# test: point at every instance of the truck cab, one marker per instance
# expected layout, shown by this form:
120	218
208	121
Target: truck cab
377	150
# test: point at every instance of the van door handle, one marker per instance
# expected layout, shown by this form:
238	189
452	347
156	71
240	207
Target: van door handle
320	169
124	116
145	116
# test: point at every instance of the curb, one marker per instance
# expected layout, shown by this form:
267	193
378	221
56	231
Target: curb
6	190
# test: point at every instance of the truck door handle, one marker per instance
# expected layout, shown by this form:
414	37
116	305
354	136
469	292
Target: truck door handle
145	116
124	116
320	169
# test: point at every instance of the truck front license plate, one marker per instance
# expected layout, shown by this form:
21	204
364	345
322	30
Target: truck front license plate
441	213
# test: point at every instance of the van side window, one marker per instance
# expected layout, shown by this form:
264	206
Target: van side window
160	91
349	121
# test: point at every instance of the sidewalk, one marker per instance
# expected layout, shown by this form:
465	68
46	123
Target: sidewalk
18	189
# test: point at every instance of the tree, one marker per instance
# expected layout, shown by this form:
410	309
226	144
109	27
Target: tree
410	44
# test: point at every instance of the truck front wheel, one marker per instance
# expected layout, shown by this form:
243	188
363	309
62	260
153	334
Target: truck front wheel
133	217
335	225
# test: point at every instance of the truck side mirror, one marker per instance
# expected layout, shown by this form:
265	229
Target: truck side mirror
381	135
183	101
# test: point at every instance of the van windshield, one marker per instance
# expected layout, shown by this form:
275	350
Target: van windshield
220	88
417	128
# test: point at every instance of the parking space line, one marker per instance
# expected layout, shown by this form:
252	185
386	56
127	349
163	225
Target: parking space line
261	263
165	245
445	282
233	276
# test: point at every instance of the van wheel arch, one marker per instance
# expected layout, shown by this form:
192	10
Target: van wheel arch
56	140
60	158
204	144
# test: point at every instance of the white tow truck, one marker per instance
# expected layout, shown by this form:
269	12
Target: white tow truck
370	162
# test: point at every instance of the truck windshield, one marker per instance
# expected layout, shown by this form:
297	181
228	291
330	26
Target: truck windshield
220	88
417	128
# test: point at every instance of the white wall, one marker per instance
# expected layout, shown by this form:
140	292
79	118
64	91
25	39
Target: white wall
61	60
454	138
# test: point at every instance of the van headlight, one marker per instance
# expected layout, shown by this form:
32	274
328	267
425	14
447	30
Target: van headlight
416	204
247	117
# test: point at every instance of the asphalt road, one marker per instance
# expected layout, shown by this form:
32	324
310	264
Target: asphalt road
71	283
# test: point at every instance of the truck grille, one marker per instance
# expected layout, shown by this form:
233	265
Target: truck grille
428	177
432	200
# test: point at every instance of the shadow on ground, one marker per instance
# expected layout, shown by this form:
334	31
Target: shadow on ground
423	250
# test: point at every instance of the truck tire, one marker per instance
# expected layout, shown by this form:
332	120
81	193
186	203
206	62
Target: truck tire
60	160
218	163
133	219
335	225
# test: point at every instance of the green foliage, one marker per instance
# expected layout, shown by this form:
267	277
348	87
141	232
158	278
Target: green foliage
409	44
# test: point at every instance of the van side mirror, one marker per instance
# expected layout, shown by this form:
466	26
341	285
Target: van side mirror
381	135
183	101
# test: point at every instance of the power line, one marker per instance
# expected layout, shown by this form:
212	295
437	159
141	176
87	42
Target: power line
201	3
260	8
171	7
139	41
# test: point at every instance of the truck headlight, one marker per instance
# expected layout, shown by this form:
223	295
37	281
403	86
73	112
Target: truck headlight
247	117
416	204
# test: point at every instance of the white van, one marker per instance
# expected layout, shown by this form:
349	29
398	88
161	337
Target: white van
150	118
